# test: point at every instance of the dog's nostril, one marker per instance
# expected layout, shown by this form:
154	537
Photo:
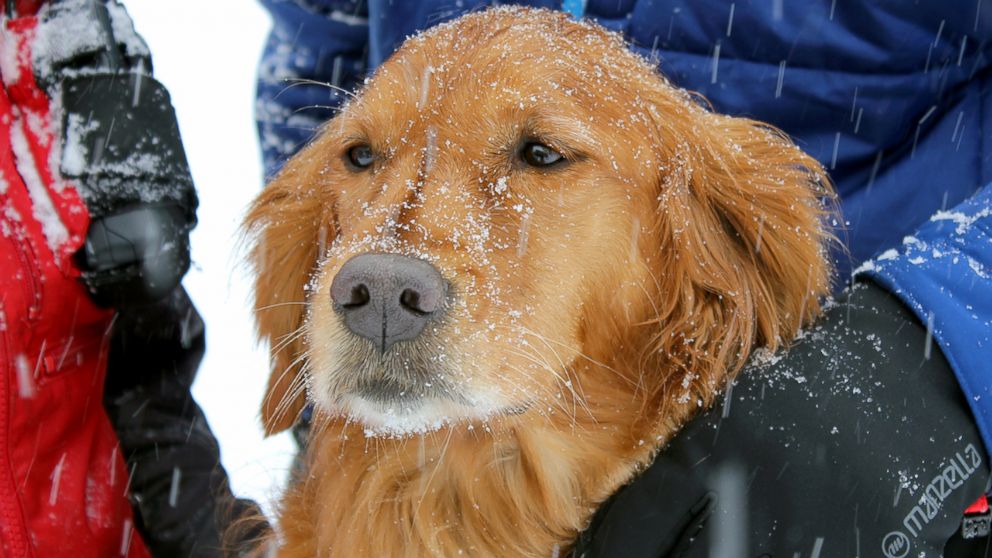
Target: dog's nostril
410	300
359	296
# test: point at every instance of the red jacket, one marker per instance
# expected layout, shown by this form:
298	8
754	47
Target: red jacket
63	481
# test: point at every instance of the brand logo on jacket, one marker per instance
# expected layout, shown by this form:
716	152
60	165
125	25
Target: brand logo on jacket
954	473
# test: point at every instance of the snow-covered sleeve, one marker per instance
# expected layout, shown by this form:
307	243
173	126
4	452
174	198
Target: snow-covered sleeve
944	274
316	52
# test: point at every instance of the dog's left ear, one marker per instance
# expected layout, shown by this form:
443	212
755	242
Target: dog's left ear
744	239
285	225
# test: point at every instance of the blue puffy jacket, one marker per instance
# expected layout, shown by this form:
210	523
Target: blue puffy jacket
894	98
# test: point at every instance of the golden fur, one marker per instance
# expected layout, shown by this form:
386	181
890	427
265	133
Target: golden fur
601	303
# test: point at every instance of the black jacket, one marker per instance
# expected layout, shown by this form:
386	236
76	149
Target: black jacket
182	499
854	443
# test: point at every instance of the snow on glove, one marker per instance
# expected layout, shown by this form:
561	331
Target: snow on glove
120	146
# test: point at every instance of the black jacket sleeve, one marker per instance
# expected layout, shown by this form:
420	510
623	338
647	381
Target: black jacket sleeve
180	490
857	442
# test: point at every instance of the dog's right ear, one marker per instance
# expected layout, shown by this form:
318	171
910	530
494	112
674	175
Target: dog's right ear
285	226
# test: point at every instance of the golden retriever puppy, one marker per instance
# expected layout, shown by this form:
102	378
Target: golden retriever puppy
504	274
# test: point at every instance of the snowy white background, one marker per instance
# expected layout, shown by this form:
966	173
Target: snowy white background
206	53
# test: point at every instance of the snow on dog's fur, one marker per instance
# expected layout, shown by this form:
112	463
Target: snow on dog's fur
598	303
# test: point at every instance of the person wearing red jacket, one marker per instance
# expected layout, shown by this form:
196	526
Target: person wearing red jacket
103	452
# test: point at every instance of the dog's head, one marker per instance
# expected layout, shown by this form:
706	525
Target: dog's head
511	196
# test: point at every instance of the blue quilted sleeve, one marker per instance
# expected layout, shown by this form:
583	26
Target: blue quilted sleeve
316	52
944	274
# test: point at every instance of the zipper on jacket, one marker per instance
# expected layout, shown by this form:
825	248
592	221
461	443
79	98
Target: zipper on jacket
12	530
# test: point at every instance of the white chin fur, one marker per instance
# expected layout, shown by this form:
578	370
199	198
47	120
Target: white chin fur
403	419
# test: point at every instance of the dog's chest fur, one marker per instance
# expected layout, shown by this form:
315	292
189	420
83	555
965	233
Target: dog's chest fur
522	491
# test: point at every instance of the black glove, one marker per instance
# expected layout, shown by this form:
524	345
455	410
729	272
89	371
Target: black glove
133	173
121	148
135	257
854	443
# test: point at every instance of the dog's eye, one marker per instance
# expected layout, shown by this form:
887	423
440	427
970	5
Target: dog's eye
361	156
540	155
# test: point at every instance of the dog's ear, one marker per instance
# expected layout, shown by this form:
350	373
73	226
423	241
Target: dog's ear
286	226
742	221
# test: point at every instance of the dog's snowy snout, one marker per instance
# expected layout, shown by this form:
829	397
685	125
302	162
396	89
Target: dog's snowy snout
387	298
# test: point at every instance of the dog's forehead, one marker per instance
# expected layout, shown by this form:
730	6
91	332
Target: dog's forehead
435	79
514	52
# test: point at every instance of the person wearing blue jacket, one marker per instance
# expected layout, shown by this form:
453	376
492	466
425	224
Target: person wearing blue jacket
872	435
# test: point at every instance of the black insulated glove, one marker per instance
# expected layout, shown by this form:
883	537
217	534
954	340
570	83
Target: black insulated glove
121	147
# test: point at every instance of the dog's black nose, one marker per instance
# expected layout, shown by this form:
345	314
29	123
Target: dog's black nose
387	297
